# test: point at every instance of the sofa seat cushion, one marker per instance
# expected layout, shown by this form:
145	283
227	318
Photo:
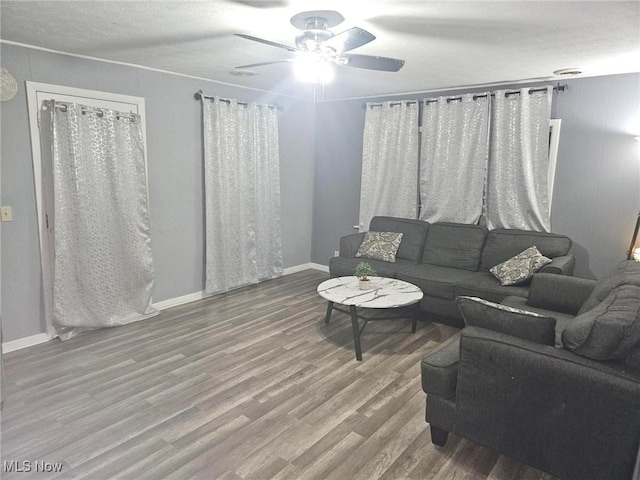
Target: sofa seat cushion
531	326
440	369
562	319
503	243
413	232
454	245
610	330
485	285
434	280
345	267
625	273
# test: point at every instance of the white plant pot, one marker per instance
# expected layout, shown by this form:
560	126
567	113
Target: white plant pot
365	284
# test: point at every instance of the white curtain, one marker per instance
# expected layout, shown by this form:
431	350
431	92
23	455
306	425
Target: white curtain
242	194
517	180
103	268
389	162
455	146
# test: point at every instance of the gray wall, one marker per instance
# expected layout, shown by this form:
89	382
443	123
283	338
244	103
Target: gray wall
174	142
597	184
596	197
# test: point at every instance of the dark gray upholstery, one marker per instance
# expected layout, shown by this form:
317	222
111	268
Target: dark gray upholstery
443	260
571	416
549	408
562	265
440	369
552	292
522	324
414	233
625	273
562	319
454	245
485	285
345	267
437	281
502	244
610	329
349	244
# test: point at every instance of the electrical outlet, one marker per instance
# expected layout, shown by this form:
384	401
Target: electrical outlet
336	253
6	215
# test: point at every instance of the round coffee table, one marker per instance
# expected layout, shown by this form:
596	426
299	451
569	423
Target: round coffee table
385	293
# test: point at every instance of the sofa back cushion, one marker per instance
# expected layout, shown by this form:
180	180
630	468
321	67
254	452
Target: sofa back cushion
625	273
504	243
455	245
610	330
413	232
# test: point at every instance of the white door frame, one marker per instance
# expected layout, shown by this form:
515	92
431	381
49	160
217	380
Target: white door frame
36	94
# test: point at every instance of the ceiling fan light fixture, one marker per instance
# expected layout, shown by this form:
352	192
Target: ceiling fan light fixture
310	40
313	69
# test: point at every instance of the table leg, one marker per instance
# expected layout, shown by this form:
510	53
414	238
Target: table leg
414	318
328	315
356	332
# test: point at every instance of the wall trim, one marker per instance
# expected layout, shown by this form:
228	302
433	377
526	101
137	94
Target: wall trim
176	301
305	266
317	266
143	67
24	342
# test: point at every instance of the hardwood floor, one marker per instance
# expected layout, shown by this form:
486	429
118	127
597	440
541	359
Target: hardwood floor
246	385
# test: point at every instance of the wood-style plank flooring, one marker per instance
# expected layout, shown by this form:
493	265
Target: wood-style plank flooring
247	385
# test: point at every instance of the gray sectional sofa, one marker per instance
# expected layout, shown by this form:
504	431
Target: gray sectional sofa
450	259
568	405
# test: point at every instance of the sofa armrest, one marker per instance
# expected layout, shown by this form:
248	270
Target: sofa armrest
349	244
440	369
559	293
570	416
560	265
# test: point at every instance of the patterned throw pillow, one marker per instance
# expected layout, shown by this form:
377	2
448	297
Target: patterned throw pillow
380	246
521	267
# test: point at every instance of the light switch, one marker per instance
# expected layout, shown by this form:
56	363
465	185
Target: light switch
6	214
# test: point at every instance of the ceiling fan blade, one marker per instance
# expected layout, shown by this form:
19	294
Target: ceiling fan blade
349	39
261	64
371	62
267	42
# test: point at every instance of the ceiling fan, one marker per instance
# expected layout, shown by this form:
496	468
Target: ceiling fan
318	44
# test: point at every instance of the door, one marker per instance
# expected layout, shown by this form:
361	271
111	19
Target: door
40	127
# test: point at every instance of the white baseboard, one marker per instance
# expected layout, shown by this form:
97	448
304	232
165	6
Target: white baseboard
317	266
174	302
24	342
305	266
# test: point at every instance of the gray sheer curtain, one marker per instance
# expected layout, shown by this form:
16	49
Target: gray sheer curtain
242	194
517	180
389	162
455	146
103	268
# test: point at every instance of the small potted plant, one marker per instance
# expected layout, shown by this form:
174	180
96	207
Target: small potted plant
363	272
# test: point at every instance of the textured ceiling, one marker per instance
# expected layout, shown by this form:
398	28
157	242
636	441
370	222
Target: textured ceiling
445	44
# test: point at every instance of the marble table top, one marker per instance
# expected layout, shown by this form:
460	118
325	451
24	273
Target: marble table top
384	292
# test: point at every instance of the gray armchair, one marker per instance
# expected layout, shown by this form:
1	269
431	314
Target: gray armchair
536	402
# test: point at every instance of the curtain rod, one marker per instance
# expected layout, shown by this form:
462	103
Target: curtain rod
200	95
63	107
559	88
